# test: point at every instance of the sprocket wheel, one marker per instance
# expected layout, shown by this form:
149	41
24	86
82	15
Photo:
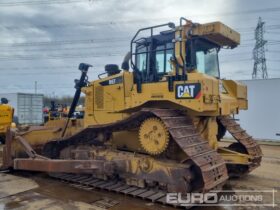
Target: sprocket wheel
153	136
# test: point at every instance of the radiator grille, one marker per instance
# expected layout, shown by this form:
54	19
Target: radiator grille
99	97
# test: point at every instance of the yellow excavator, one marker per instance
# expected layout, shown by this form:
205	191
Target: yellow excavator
153	126
6	118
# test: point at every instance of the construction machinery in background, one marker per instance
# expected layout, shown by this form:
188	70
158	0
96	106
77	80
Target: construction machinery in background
154	129
59	111
6	118
55	112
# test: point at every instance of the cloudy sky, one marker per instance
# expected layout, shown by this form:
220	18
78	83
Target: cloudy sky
44	41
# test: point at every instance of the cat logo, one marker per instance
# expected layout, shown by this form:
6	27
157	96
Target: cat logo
188	91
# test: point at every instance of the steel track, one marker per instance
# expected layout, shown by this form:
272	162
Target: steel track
90	183
247	141
211	171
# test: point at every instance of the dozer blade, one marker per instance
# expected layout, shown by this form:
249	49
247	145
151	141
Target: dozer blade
58	166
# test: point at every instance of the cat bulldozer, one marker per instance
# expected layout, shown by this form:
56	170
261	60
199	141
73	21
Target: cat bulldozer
153	126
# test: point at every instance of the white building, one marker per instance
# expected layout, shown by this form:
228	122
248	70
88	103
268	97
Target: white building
262	119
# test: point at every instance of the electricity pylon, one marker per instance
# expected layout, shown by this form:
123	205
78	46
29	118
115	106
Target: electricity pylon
259	52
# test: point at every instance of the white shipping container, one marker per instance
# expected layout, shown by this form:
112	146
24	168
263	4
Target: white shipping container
28	107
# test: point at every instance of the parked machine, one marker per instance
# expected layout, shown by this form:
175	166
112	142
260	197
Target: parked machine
154	129
59	111
6	118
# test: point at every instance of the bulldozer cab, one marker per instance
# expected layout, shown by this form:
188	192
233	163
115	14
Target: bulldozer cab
180	50
154	56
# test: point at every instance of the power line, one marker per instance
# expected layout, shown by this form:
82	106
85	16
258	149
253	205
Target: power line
76	42
42	2
235	54
273	43
80	55
64	42
108	53
265	10
239	60
62	49
26	70
272	69
46	67
89	41
272	32
42	87
273	60
45	73
88	54
87	24
273	51
63	56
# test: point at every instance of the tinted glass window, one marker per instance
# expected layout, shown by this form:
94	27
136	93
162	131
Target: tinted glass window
141	61
164	55
160	61
207	62
168	66
202	55
153	56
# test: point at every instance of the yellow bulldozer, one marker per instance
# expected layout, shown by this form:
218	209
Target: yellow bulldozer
153	126
6	118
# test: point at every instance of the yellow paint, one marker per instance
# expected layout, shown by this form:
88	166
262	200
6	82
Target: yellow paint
208	129
153	136
6	118
37	136
232	157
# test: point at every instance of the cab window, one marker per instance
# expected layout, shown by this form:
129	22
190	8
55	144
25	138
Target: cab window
207	62
141	58
203	55
164	55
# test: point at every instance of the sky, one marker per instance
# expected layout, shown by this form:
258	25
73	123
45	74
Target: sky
44	41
